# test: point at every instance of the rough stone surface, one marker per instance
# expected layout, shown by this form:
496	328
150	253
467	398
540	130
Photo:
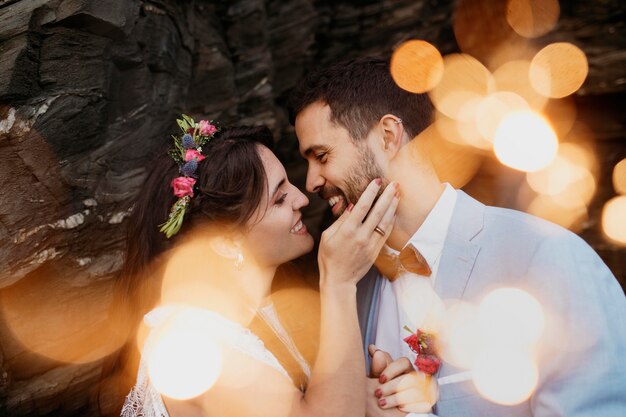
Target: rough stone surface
89	88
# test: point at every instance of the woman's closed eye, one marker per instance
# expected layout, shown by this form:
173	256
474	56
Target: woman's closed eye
280	200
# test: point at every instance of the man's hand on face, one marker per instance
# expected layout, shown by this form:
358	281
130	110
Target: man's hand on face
397	388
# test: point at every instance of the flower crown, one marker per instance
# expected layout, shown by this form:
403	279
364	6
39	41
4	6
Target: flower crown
187	152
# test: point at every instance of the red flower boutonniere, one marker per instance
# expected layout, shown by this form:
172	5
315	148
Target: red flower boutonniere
423	345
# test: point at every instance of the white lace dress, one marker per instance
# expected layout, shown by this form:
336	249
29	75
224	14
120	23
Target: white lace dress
145	401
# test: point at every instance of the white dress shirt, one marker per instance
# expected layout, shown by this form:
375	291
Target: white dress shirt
410	300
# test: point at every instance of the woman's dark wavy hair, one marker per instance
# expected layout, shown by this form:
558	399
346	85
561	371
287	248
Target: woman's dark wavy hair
230	184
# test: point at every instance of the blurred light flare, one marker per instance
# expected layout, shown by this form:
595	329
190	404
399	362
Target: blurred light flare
422	306
510	316
452	159
195	276
184	359
525	141
513	76
532	18
569	173
568	213
461	133
511	322
416	66
52	317
464	79
460	339
562	115
505	376
619	177
614	219
493	109
558	70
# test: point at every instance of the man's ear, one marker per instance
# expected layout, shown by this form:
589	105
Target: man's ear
227	246
393	134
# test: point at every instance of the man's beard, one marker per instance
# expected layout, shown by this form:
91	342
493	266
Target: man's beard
358	176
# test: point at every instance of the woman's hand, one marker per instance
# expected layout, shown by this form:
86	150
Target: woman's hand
349	246
402	386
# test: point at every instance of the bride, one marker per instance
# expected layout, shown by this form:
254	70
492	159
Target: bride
218	209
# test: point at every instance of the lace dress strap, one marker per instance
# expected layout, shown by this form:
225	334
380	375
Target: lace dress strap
145	401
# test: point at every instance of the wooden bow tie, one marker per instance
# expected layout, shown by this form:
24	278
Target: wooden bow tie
409	260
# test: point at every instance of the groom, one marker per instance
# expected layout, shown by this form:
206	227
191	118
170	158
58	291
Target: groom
354	124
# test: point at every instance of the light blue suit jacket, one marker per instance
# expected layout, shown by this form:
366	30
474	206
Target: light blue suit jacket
488	248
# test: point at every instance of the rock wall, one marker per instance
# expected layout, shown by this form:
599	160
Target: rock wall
89	88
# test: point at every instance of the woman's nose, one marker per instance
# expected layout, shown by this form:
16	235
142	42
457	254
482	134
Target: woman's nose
300	200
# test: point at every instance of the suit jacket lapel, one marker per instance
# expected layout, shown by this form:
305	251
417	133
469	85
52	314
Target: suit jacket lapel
459	253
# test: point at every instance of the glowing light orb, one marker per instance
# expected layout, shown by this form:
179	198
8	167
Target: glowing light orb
511	316
460	339
416	66
568	173
420	303
494	108
532	18
513	77
619	177
505	376
562	209
185	359
464	79
453	162
558	70
525	141
614	219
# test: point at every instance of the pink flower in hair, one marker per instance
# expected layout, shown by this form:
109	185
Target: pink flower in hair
193	154
183	186
206	128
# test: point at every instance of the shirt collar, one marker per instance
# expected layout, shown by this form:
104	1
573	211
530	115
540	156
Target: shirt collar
431	235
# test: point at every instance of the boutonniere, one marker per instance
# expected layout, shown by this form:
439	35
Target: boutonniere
423	345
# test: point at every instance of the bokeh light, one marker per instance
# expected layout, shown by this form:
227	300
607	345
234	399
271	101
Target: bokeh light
555	210
525	141
420	303
416	66
568	177
505	376
562	115
510	316
454	162
184	359
460	338
619	177
614	219
494	108
194	275
464	79
558	70
481	29
59	318
511	323
513	76
532	18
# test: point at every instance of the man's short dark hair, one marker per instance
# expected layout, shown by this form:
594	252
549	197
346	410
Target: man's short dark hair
359	92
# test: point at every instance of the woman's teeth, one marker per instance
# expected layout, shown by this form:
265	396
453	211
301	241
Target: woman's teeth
297	227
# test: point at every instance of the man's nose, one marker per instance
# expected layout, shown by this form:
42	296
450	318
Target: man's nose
314	181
